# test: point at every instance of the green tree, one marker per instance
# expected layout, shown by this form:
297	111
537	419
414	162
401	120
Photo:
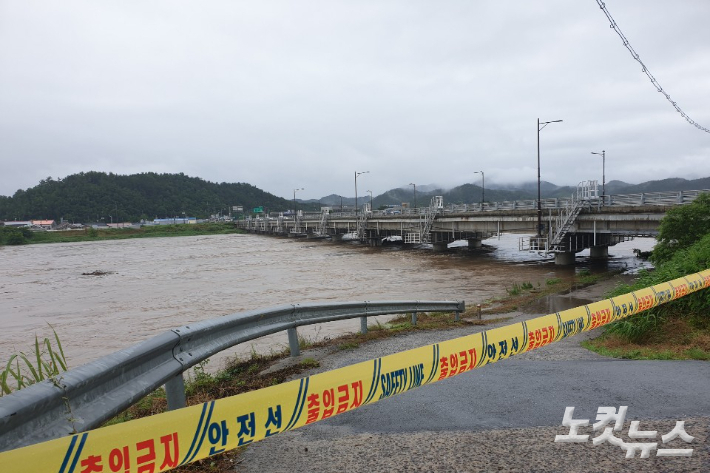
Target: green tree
682	227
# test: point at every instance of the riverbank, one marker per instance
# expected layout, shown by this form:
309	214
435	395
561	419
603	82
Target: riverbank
381	340
12	236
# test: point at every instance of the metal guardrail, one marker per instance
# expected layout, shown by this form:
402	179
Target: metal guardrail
85	397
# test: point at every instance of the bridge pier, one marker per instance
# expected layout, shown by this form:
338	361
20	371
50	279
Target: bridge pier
475	242
599	252
440	246
565	258
375	241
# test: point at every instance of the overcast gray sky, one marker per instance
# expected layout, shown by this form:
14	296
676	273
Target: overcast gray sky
300	93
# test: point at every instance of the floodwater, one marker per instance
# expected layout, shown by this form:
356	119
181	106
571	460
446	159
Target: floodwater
152	285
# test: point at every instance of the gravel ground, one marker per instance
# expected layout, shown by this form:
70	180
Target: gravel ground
506	450
332	448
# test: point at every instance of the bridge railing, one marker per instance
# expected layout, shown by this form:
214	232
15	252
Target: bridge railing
554	203
653	198
85	397
593	200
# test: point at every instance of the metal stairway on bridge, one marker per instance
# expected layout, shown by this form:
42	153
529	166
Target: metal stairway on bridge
321	229
587	192
437	203
565	222
554	242
362	221
426	222
280	223
297	222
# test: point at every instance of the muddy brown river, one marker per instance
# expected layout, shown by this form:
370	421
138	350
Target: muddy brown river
104	296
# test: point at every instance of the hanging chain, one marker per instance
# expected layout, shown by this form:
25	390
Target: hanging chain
645	69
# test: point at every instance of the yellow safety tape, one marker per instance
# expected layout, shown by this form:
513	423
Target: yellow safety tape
164	441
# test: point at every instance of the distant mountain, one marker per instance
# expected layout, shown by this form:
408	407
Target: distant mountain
666	185
616	187
526	186
472	193
94	196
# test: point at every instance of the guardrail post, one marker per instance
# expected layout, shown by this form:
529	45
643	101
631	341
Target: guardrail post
456	316
175	391
293	342
363	325
414	318
478	308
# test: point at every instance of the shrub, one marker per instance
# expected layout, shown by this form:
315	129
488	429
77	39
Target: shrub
692	259
682	227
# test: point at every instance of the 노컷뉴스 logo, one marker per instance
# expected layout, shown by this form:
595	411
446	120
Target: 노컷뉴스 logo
607	415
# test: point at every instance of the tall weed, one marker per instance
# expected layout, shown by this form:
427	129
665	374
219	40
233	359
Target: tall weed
23	370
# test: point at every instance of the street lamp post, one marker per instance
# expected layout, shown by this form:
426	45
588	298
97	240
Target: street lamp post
415	194
603	155
483	186
370	200
539	205
356	175
294	203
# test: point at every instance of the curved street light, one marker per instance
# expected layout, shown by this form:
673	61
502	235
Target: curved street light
539	205
483	186
603	155
294	202
356	175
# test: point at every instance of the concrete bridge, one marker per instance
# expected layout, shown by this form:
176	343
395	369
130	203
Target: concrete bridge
563	226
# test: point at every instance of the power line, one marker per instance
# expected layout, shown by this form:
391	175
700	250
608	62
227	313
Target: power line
645	69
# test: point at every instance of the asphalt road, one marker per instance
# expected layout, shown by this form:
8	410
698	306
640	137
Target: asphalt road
503	417
514	394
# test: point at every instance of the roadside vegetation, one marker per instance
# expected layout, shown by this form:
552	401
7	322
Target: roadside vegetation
23	236
679	329
44	362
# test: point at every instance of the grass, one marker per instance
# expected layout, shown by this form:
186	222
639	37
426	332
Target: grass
152	231
309	363
22	370
674	338
517	289
585	277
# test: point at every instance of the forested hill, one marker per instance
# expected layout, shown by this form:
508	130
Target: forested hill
92	196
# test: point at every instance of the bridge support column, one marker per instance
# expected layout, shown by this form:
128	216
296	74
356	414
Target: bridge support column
599	252
475	243
564	259
375	241
440	246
